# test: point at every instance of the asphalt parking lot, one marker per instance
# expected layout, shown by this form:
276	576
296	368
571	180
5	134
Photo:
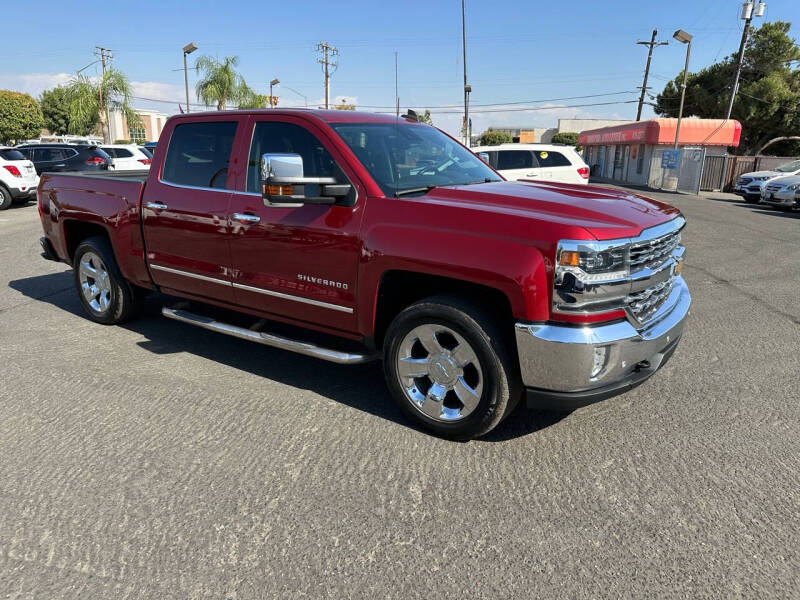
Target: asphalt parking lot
157	460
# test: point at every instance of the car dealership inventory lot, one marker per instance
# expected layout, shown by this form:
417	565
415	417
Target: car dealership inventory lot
160	460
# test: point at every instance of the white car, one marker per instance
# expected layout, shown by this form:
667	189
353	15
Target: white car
782	192
751	185
545	162
18	178
127	157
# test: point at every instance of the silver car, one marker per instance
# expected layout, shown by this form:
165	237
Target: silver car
782	192
751	185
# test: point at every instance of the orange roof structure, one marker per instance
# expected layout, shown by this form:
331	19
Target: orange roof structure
694	132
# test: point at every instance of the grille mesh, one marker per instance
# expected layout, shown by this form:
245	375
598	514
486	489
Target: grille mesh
653	253
644	304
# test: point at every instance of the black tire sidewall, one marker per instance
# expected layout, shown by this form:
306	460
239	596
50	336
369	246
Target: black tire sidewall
5	198
495	396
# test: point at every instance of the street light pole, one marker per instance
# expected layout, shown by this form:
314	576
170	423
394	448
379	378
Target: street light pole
187	49
467	88
684	38
272	83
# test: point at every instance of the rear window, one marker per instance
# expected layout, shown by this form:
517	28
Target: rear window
198	154
11	155
514	159
548	158
146	152
99	152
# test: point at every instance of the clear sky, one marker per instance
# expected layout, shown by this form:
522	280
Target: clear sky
517	51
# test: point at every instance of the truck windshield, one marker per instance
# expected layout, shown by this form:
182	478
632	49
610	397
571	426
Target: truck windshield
412	158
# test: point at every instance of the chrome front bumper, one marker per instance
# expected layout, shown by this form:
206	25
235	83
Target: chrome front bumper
558	360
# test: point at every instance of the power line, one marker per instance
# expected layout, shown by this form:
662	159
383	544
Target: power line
328	52
454	105
527	108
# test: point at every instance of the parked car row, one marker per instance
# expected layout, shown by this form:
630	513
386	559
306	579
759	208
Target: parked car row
751	186
541	162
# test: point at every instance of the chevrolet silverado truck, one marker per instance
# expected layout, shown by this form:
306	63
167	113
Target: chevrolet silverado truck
351	237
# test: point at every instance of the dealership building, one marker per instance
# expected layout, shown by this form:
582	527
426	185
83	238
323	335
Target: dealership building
634	152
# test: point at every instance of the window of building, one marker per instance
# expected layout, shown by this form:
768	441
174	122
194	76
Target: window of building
137	133
198	154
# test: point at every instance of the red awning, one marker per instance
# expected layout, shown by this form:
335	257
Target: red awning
694	132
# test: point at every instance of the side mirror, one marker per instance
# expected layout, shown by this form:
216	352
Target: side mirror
284	184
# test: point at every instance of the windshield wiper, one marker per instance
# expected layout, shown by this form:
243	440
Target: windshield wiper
485	180
419	190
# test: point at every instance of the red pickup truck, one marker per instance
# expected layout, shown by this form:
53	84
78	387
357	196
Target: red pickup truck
352	236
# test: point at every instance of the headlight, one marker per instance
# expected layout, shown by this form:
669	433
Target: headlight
793	186
762	178
591	262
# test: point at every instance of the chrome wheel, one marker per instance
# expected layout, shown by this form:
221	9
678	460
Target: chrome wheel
95	282
439	372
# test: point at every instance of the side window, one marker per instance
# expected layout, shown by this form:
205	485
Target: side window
67	153
548	158
198	154
112	152
47	154
122	153
288	138
515	159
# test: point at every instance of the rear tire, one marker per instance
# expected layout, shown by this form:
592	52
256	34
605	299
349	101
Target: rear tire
450	367
5	198
104	293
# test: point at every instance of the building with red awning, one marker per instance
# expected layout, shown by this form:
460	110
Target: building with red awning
633	152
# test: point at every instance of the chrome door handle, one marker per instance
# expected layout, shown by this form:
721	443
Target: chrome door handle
531	174
156	206
245	218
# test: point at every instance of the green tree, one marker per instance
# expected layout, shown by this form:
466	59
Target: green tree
768	101
221	83
493	138
20	116
90	101
425	117
566	137
55	108
249	98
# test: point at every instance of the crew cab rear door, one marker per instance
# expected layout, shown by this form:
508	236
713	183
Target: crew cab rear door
301	262
185	210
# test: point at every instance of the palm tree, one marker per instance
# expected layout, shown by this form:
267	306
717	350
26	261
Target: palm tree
221	83
91	99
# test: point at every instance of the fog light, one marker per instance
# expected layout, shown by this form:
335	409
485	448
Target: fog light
599	359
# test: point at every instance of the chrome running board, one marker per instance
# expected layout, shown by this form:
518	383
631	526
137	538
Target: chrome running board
268	339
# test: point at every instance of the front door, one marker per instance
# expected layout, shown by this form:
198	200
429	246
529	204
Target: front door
297	263
185	212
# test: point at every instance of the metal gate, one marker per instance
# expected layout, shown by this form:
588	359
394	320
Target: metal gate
690	169
713	171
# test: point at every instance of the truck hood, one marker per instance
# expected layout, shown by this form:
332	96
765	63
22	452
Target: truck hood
605	213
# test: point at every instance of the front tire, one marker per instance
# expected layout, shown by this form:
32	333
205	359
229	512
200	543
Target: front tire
450	368
105	295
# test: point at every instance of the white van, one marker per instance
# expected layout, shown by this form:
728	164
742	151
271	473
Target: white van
547	162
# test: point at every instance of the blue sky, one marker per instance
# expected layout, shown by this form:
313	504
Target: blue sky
516	51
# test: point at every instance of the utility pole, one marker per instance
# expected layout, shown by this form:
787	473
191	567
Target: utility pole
467	88
328	62
747	15
651	44
396	93
105	55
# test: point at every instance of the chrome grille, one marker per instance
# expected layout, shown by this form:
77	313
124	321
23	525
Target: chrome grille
774	187
652	253
744	180
643	305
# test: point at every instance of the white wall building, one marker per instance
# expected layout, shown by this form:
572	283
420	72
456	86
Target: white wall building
149	131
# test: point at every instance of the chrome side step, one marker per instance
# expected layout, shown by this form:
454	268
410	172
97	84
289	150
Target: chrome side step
268	339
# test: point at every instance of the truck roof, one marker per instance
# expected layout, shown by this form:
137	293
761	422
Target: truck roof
329	116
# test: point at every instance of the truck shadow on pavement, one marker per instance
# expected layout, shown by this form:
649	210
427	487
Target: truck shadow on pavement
358	386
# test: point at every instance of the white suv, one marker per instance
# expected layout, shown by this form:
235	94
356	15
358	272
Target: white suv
18	178
126	157
546	162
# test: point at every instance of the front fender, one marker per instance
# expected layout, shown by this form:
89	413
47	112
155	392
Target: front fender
516	269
